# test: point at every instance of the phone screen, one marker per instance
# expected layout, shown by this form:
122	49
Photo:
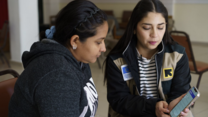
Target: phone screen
185	101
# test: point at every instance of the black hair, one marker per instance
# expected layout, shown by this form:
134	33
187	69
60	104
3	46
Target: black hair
140	11
79	17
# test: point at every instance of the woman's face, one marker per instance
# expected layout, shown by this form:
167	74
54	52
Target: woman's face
90	50
150	31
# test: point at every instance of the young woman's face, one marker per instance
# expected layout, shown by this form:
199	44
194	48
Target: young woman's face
91	49
150	31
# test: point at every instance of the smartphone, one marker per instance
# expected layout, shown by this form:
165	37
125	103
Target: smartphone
185	102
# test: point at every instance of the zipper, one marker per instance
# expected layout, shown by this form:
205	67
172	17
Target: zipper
126	47
157	75
157	68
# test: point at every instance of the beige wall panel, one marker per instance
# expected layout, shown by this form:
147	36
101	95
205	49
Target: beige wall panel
193	19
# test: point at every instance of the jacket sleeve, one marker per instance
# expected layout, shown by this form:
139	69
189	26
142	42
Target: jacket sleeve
181	80
120	98
58	95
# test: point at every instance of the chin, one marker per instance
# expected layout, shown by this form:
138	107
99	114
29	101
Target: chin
152	48
92	61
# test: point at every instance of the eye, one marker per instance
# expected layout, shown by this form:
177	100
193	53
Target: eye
145	28
98	43
160	28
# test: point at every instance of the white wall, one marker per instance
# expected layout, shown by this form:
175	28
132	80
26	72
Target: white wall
169	4
192	1
118	6
189	15
14	26
50	7
192	18
23	19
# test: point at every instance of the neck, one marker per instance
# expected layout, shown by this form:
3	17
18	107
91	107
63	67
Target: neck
147	53
74	55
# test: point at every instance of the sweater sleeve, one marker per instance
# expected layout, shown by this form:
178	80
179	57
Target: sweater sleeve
120	98
58	95
181	80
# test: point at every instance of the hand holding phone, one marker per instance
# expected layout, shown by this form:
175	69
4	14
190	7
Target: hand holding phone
161	109
185	102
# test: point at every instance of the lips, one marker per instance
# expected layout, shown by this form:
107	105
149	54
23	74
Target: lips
152	42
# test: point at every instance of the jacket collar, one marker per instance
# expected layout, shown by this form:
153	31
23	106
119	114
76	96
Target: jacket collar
132	44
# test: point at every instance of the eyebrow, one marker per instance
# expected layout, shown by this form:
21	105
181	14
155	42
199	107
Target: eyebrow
101	38
151	24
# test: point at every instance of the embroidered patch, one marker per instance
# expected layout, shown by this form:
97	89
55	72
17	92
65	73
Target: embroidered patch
168	72
126	73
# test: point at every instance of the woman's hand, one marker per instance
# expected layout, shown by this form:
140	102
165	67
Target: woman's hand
174	102
184	113
162	108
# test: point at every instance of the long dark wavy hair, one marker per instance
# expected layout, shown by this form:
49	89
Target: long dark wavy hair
140	11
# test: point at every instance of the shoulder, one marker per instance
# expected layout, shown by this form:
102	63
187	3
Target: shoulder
174	48
59	80
174	52
61	76
116	60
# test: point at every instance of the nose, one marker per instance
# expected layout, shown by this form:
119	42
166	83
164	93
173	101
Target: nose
103	49
154	33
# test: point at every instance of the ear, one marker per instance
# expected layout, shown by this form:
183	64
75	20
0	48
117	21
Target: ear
74	40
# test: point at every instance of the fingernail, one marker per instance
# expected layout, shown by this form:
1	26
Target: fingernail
167	110
182	113
186	110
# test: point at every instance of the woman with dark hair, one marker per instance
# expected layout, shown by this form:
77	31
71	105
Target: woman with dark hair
57	80
147	73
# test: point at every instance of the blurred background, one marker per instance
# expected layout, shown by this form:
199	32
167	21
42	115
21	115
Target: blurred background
22	21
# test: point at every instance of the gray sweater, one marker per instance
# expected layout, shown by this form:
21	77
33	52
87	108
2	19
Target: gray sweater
53	84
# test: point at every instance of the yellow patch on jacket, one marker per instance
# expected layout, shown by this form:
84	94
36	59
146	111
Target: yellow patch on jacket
168	72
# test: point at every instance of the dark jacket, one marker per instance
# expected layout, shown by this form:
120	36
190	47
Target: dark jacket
53	84
173	80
